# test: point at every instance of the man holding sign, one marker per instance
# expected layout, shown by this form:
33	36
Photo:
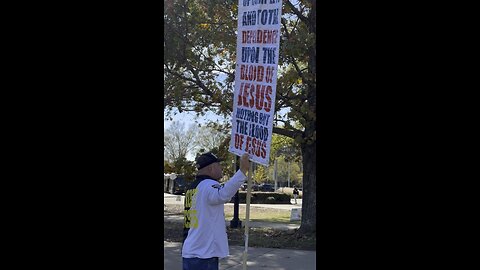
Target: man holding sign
205	236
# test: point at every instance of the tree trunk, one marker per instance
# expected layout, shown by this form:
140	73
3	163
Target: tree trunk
309	151
309	199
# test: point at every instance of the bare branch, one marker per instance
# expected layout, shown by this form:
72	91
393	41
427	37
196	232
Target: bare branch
286	132
294	62
297	12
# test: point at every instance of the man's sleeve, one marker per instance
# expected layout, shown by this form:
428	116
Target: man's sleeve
221	195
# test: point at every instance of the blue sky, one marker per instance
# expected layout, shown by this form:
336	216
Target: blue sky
190	117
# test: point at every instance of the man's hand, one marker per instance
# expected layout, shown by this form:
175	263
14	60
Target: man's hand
244	163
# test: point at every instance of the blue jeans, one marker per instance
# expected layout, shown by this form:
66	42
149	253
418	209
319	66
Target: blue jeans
200	264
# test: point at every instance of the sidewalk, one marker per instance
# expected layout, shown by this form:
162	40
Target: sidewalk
258	258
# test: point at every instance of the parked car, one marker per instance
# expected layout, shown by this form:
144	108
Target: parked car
266	187
174	184
254	187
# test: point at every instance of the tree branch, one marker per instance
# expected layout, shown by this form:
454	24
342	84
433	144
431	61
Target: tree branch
297	12
286	132
179	75
219	70
300	73
198	81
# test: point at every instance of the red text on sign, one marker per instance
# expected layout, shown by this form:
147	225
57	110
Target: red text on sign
255	95
238	141
251	73
256	147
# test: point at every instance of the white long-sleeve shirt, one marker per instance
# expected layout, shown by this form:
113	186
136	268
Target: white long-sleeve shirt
207	236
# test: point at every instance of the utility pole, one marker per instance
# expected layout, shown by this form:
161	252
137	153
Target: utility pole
236	222
275	173
289	165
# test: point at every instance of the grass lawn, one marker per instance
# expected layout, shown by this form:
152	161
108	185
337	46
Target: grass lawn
258	237
261	214
271	238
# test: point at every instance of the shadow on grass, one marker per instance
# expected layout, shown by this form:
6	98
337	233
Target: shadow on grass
258	237
272	238
272	219
277	220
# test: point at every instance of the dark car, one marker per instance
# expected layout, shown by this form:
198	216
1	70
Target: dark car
254	187
266	187
179	185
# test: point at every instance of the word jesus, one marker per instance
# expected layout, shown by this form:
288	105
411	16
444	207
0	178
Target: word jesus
255	95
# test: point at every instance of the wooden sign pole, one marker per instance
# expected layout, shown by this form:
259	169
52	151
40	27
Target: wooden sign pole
247	214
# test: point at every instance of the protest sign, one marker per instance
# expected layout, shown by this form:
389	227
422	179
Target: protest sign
258	43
